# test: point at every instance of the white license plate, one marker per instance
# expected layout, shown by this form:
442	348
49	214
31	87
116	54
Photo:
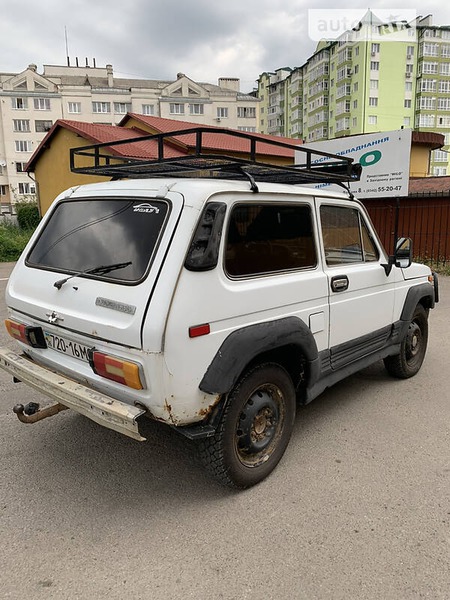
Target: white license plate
60	344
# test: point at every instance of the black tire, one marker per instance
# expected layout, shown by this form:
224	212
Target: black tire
413	347
254	430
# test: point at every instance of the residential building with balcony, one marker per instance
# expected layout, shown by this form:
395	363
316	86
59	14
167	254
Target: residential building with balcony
31	102
364	83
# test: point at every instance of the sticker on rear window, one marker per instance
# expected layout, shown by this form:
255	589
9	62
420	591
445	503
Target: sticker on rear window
145	207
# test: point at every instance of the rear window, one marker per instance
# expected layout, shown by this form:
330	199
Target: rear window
82	235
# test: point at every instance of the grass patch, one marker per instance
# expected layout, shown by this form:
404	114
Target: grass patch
12	241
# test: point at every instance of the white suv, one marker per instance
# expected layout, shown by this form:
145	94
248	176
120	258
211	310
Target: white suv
210	305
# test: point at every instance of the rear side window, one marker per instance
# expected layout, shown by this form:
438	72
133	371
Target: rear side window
85	234
269	238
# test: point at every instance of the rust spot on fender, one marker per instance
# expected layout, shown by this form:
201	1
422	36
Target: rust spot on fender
168	408
207	410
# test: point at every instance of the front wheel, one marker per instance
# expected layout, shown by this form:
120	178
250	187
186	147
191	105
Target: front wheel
255	428
412	349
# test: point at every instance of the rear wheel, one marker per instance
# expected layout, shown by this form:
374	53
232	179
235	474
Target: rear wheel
413	347
255	428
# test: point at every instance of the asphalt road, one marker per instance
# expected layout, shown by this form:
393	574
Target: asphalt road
358	508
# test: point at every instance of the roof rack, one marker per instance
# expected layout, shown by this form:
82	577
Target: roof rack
203	161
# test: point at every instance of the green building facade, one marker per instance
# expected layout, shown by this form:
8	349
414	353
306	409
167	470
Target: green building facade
364	83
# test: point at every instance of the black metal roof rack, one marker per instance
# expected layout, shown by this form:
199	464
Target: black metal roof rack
204	161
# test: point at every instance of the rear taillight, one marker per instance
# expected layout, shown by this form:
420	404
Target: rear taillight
122	371
32	336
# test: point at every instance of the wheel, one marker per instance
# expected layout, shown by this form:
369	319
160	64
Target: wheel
412	349
255	428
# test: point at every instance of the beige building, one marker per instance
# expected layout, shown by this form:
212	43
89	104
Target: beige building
31	102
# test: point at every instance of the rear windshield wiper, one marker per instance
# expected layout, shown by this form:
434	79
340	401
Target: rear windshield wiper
102	270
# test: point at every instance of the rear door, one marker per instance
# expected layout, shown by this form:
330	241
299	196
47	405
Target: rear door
127	235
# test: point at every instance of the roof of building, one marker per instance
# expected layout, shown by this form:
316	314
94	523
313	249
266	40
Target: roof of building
429	186
98	133
215	141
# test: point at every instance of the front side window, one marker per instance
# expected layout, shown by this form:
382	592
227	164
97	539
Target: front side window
84	234
346	236
268	238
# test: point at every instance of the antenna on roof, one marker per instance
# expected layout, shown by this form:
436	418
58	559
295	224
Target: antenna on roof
67	46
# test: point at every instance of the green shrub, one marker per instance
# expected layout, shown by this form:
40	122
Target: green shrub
27	215
12	242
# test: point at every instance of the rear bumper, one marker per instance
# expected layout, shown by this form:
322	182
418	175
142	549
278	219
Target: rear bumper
98	407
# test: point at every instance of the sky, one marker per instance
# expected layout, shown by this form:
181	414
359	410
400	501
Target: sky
156	39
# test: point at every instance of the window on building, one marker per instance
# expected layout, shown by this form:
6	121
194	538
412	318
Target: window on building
427	102
3	190
101	107
373	101
372	119
26	188
357	51
426	120
445	50
355	103
439	171
444	69
74	107
268	238
409	52
444	104
355	87
428	85
20	167
444	87
375	48
19	103
21	125
354	121
23	146
408	86
430	49
373	84
196	109
406	121
356	70
429	67
41	103
148	109
407	103
222	112
246	112
175	108
121	108
43	126
247	128
440	156
409	68
374	65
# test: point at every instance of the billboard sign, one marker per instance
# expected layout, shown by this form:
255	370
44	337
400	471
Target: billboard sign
384	156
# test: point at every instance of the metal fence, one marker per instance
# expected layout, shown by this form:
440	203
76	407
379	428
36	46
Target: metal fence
424	219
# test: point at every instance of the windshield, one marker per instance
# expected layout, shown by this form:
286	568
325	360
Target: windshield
82	234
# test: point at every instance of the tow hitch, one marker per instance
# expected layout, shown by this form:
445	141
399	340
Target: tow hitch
30	413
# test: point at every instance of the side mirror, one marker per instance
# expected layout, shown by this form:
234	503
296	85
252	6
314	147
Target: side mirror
403	253
402	257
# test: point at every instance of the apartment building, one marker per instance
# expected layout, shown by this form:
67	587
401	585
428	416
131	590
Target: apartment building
30	102
363	83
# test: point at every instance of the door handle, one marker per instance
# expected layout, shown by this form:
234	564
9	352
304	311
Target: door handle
339	283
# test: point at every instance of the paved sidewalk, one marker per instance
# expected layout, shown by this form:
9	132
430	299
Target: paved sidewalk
5	269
